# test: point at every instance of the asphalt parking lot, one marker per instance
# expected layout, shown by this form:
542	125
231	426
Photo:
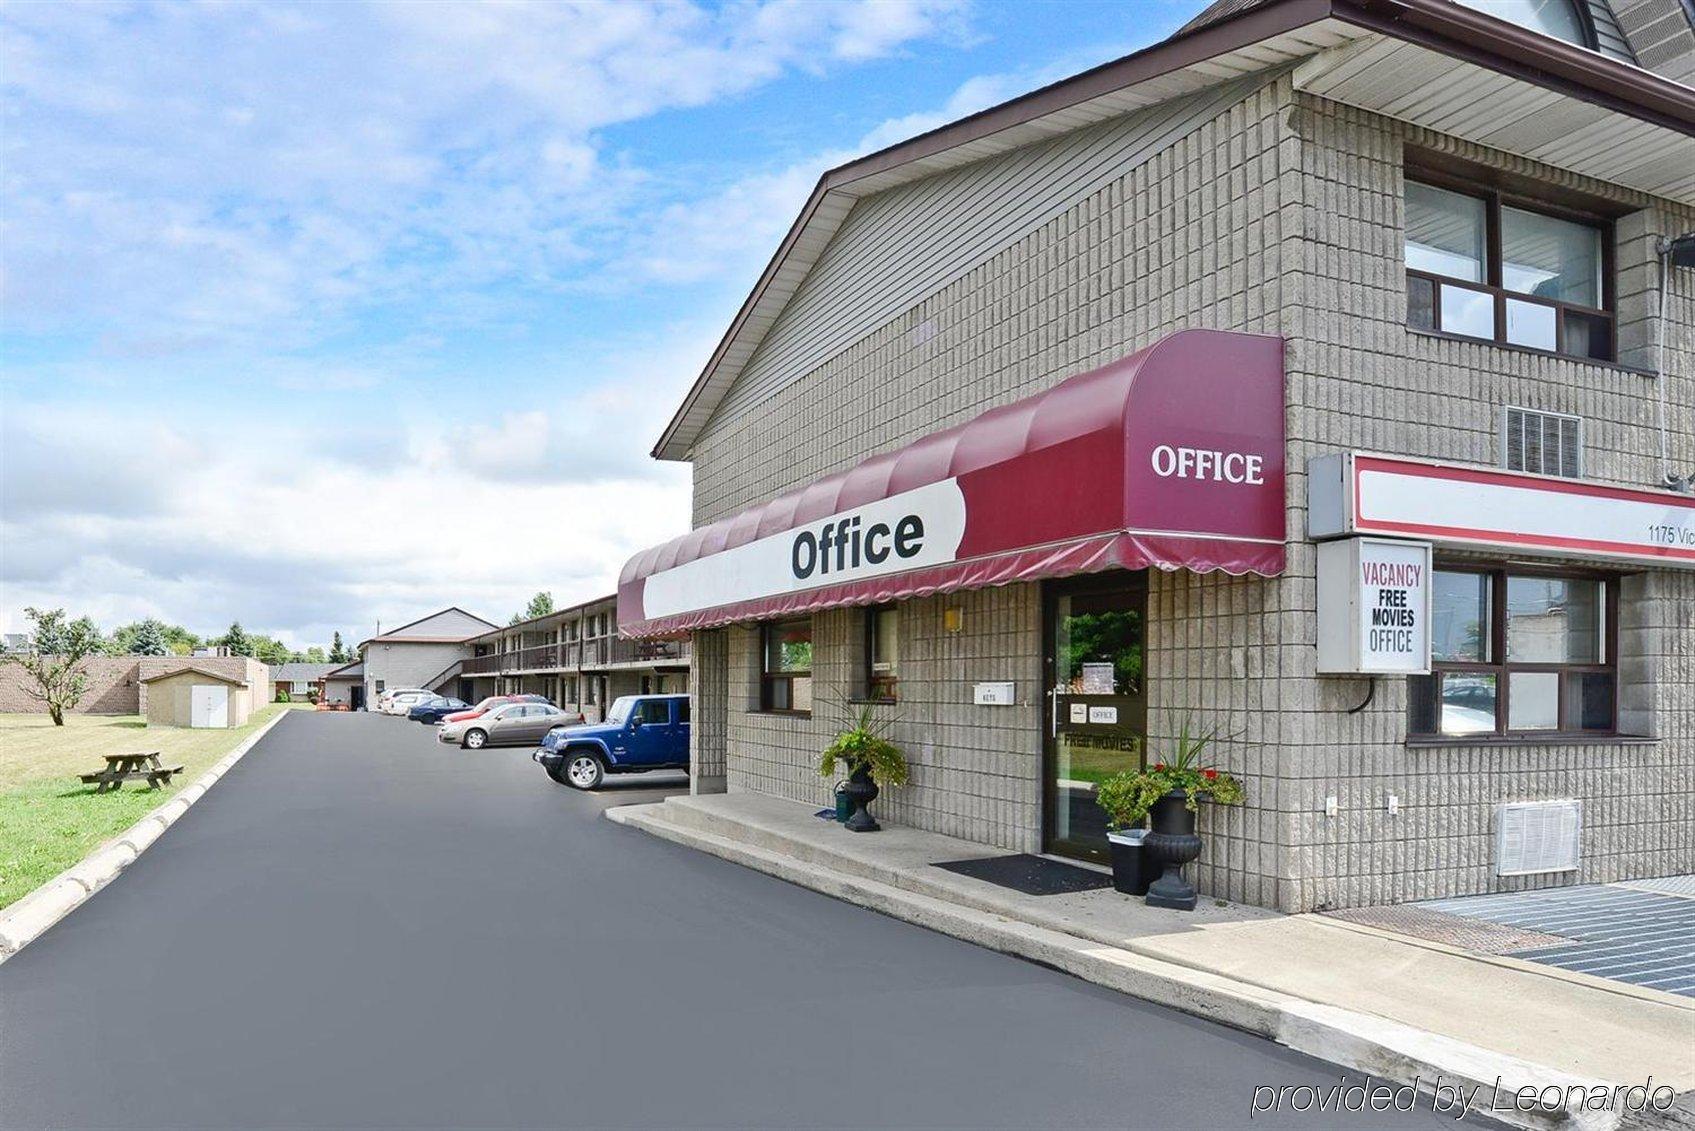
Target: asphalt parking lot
359	927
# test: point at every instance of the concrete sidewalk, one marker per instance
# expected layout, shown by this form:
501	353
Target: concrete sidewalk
1379	1002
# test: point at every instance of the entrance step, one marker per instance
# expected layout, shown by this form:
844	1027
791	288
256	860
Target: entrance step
903	858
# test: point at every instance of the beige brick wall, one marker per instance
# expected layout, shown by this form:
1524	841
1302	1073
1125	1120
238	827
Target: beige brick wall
976	771
1358	378
1282	215
112	688
114	682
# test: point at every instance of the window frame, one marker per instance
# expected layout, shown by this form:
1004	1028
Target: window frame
1494	198
768	678
879	688
1501	668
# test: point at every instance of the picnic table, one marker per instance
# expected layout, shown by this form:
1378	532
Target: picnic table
121	768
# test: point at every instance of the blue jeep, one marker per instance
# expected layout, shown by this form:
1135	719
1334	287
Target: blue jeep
641	732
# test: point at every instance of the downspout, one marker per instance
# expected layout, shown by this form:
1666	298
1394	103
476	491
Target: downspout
1672	252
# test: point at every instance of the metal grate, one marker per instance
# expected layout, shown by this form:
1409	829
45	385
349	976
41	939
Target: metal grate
1543	443
1537	836
1611	931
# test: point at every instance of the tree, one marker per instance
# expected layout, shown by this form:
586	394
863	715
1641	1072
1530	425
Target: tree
236	641
315	655
181	641
54	659
176	640
149	640
540	605
267	649
338	651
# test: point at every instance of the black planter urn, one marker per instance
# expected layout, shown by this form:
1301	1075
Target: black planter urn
861	791
1171	843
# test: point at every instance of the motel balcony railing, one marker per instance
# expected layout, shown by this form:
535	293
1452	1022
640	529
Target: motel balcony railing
598	652
619	652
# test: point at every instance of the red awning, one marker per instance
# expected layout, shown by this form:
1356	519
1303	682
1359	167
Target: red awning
1171	458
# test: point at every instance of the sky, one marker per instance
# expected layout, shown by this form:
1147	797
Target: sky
321	315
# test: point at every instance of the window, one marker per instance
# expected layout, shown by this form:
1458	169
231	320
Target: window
653	712
1482	267
1557	18
299	687
1518	654
786	675
882	653
1543	443
683	711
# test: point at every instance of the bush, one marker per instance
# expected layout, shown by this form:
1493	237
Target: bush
1126	798
863	744
282	696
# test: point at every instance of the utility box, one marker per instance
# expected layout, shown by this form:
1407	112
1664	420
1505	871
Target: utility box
1373	607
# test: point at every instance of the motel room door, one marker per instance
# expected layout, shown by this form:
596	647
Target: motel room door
1096	719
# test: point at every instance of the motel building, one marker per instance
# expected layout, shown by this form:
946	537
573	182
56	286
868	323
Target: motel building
1323	376
575	657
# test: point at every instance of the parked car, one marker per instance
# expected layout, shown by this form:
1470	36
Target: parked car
485	705
390	702
641	732
509	724
436	708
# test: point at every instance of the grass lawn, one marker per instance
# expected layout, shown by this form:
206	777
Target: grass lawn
49	820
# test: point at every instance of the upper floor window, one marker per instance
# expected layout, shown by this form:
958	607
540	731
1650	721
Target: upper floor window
1479	266
1558	18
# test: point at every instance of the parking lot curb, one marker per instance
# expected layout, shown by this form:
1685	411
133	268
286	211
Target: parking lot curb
30	917
1385	1049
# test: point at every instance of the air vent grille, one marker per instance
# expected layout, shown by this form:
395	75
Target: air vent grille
1537	836
1543	443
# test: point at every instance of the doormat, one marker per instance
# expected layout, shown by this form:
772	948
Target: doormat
1031	875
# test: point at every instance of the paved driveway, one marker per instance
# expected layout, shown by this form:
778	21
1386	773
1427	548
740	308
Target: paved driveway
360	928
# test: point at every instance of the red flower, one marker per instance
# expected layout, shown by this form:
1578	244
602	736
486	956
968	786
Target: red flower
1210	775
1159	765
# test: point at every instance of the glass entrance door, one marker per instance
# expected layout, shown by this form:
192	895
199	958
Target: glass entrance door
1097	708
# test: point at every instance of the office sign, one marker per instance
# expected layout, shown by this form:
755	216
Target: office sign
1373	607
1171	457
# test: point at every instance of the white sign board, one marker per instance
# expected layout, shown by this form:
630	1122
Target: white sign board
1458	505
916	528
1079	712
1373	607
1098	679
1107	715
993	694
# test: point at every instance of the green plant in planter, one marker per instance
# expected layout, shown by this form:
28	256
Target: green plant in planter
865	745
1127	797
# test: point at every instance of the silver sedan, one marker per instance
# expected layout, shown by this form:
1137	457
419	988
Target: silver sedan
511	724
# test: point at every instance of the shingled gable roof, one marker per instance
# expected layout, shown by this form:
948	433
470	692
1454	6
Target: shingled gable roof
401	634
1231	39
195	669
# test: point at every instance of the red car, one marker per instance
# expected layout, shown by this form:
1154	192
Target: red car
494	701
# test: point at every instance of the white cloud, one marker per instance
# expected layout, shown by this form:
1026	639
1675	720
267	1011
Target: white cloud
260	173
301	530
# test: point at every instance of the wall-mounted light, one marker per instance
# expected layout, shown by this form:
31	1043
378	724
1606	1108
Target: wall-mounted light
953	618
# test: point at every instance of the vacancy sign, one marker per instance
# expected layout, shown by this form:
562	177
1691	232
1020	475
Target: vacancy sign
1373	607
1459	505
